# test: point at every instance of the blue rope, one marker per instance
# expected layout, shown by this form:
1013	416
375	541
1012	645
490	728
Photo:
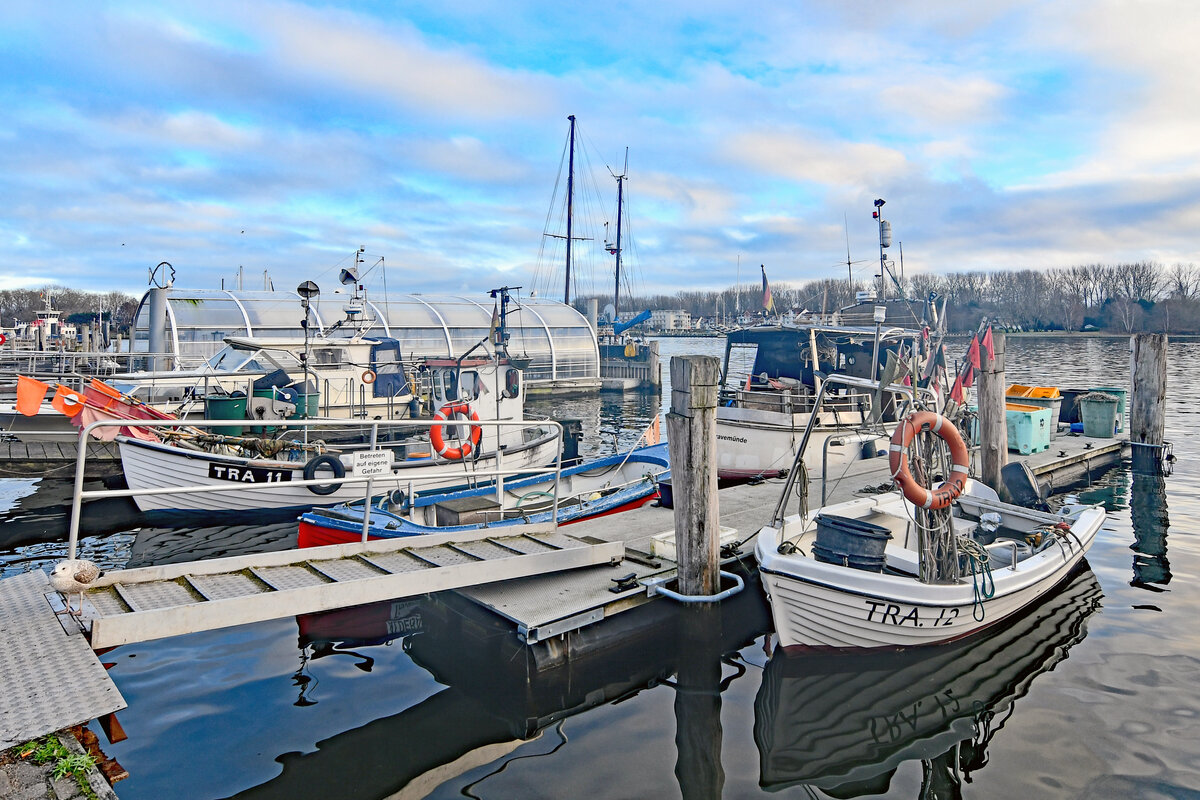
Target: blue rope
983	584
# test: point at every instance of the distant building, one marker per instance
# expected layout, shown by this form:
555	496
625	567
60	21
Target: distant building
670	320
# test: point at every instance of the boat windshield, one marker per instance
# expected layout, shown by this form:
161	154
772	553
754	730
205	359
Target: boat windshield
229	359
235	359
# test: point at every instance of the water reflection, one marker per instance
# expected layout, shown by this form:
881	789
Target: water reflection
39	510
501	695
1109	489
1148	509
610	422
698	705
844	724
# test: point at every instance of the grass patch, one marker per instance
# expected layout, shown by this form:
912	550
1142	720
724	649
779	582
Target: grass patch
49	750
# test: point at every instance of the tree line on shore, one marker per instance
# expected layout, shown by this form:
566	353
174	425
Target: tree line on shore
1118	298
73	305
1131	297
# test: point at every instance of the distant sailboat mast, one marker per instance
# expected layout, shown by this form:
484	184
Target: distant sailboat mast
737	295
570	209
617	250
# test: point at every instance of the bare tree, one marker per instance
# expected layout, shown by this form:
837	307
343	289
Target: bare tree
1183	282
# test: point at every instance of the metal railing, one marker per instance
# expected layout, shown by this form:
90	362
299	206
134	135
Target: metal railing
498	473
845	380
67	364
798	402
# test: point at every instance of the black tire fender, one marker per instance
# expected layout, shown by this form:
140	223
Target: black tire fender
331	462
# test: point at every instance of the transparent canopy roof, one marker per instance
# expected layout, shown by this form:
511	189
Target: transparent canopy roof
556	336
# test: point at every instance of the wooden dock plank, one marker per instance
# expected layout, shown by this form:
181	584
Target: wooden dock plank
171	609
57	459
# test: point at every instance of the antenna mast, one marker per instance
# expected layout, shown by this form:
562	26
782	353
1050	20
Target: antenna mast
849	269
885	241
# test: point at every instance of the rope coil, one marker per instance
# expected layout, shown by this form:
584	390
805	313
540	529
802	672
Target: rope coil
983	584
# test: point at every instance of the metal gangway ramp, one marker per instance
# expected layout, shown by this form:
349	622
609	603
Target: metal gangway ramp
154	602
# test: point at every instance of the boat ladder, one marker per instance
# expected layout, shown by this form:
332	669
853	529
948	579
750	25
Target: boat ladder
172	599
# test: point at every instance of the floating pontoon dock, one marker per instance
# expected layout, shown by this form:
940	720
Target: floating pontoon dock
54	681
53	459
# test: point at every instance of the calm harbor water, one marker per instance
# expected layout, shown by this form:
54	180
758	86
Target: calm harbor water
1095	694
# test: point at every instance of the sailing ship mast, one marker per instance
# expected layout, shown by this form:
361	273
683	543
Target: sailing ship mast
570	211
616	251
570	201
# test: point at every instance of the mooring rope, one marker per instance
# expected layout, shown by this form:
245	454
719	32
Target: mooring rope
983	584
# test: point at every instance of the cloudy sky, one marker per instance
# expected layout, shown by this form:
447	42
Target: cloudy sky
282	136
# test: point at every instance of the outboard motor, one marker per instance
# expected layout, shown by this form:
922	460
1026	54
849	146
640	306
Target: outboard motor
572	433
1023	486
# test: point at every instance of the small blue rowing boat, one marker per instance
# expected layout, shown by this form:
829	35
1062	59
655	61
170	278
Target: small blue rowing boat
590	489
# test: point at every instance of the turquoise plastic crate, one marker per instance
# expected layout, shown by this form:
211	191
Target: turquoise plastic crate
1120	393
1028	428
1052	403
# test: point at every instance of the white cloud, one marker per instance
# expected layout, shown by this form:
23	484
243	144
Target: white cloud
694	202
803	156
939	101
467	157
393	60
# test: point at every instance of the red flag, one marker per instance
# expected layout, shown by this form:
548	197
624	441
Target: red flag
958	392
988	345
968	376
973	353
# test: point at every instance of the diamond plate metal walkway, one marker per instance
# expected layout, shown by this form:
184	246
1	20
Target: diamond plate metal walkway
52	679
169	600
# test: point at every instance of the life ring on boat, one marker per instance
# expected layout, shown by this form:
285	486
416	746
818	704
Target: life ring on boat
952	487
368	377
437	438
327	461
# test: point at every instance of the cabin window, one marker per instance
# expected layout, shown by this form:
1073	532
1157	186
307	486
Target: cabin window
512	383
389	370
447	385
470	386
330	356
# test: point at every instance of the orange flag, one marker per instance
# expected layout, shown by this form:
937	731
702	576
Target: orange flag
67	401
30	393
654	432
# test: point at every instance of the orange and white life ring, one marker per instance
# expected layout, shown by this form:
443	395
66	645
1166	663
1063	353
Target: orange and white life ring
952	487
437	438
368	377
